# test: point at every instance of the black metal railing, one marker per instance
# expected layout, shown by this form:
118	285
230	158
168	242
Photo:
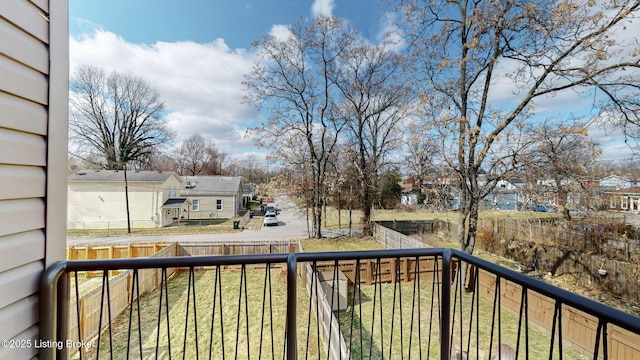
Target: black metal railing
391	304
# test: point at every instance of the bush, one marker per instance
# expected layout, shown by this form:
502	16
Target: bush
485	238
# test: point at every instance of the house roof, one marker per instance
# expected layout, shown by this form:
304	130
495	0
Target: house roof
118	176
211	185
632	190
175	203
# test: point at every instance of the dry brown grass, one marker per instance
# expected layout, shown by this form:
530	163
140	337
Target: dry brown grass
236	324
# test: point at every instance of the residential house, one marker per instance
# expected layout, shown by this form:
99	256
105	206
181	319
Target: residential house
248	192
97	199
213	197
506	195
615	182
625	199
34	102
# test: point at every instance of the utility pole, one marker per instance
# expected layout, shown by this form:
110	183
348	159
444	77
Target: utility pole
126	196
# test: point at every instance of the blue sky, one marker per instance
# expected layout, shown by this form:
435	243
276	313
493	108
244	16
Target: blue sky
196	52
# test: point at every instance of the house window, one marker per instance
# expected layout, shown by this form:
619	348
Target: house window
219	205
612	202
195	205
623	203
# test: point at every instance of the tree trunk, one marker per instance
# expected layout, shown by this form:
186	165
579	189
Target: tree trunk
367	204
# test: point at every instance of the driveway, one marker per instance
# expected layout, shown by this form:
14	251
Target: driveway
292	224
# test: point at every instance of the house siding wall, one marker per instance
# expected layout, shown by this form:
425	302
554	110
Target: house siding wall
102	205
33	136
208	207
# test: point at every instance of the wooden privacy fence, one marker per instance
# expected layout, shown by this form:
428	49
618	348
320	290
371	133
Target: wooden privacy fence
579	329
239	247
113	251
87	323
386	270
207	247
333	340
120	283
582	238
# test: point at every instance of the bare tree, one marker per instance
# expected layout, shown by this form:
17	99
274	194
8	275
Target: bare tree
218	162
115	117
563	155
376	98
422	153
293	81
192	155
199	156
470	52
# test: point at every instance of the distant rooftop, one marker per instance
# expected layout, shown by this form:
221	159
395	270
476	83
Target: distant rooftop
118	176
210	185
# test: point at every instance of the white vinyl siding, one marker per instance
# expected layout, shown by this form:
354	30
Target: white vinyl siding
33	151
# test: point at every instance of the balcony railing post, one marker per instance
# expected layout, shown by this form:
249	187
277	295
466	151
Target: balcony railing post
292	351
63	315
445	312
54	300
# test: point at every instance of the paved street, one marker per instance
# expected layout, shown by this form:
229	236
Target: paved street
291	225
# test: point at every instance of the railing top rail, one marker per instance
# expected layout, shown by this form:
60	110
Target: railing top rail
213	260
599	310
608	314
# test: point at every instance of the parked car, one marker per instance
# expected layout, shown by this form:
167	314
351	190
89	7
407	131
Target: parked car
270	219
541	208
270	210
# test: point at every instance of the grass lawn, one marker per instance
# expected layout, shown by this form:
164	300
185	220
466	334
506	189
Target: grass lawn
228	320
403	326
340	244
215	226
330	216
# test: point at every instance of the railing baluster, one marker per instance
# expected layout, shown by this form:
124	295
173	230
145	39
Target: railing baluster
523	303
434	299
459	314
605	342
445	304
496	303
313	292
556	320
292	272
262	315
77	293
134	285
239	310
499	318
164	290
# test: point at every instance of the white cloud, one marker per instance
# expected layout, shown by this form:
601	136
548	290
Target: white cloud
280	32
199	83
322	8
390	33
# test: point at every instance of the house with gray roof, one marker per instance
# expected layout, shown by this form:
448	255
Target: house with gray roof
212	197
97	199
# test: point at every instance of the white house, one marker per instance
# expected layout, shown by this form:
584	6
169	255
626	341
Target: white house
615	182
97	199
34	62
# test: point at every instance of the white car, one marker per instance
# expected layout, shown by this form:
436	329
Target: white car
270	219
270	209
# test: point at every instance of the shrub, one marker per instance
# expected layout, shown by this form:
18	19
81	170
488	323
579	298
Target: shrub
485	238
